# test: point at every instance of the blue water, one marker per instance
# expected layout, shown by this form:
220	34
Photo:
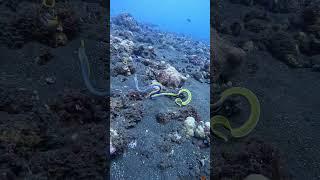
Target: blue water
169	15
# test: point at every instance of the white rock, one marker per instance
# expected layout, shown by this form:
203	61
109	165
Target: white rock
132	144
190	123
112	149
190	132
127	44
113	133
50	80
207	124
177	136
200	132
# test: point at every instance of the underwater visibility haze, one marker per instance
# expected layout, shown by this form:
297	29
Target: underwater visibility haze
189	17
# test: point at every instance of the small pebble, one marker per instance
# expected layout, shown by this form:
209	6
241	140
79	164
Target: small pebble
50	80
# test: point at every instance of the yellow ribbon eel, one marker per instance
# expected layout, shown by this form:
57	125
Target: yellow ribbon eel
249	125
178	101
187	101
85	71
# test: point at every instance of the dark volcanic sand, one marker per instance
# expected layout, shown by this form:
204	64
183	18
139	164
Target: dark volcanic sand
149	152
289	99
45	131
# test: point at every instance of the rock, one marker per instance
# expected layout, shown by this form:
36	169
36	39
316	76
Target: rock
260	15
283	47
235	56
148	62
190	123
303	42
198	76
190	132
127	44
132	114
162	118
123	69
127	21
308	44
311	17
228	58
113	133
248	46
45	56
126	34
202	161
50	80
116	103
132	144
256	25
175	137
146	52
207	127
170	77
121	45
117	142
112	149
195	60
199	132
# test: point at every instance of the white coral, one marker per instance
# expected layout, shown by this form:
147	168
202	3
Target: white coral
190	124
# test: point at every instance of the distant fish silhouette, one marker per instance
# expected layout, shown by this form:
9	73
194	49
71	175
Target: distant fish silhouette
189	20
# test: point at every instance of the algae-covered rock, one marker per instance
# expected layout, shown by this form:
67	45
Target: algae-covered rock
226	59
121	45
283	47
251	157
117	142
170	77
311	17
127	21
145	51
256	25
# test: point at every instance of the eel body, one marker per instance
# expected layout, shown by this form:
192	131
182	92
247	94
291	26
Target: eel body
249	125
85	71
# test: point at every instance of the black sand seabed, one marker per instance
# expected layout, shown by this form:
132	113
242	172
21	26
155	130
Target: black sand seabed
154	155
50	128
289	96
